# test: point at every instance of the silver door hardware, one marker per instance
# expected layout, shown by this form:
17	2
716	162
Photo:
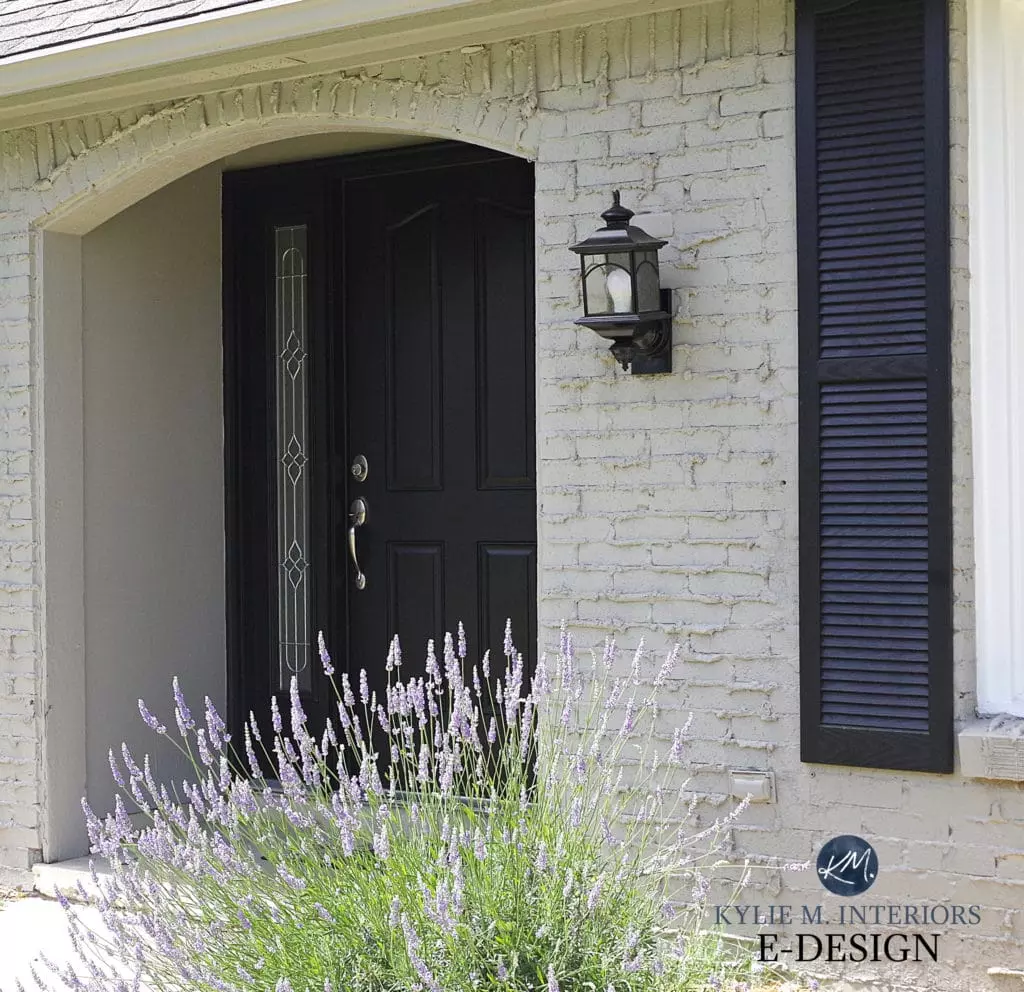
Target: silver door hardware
360	468
356	518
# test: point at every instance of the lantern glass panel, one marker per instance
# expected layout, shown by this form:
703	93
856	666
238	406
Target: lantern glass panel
608	284
648	284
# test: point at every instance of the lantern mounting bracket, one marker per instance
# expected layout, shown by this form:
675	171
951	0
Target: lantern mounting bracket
650	351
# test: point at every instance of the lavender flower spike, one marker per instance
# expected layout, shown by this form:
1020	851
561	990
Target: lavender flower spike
325	658
216	727
150	721
552	981
394	659
181	711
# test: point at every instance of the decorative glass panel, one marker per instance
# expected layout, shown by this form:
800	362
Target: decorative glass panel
294	574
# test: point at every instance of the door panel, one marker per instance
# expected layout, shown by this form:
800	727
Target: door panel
446	263
411	319
504	342
404	333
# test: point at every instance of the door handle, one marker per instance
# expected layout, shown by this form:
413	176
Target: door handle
356	518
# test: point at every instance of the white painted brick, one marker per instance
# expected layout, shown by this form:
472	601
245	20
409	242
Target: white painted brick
729	74
631	90
765	97
658	225
603	119
675	110
608	172
719	130
742	185
574	148
692	162
647	142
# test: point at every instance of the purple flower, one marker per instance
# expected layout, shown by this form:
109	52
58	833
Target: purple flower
364	688
215	726
552	981
151	721
325	658
609	651
347	697
115	769
667	666
275	715
634	673
676	754
182	714
204	752
629	722
291	880
394	654
432	669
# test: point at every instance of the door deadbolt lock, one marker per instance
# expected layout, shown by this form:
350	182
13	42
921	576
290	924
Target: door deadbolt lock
360	468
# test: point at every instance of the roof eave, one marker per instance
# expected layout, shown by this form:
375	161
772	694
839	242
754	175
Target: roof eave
273	39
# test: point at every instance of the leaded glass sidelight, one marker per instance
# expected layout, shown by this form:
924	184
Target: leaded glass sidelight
294	574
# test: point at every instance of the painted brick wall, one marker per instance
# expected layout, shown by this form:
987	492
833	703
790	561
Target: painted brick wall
667	505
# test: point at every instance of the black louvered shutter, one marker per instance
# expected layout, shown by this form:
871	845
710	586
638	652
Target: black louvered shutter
875	451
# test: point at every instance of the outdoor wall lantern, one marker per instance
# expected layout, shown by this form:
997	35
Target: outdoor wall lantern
622	295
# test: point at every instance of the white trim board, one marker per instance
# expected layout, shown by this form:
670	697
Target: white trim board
996	61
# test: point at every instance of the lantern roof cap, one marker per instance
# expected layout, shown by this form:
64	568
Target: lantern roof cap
618	234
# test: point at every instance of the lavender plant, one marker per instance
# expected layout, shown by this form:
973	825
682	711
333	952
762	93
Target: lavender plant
470	831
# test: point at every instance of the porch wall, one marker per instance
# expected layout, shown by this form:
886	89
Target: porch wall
154	469
668	506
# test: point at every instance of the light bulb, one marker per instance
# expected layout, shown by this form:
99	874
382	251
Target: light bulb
620	289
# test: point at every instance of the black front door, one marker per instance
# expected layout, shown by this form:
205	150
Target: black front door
380	411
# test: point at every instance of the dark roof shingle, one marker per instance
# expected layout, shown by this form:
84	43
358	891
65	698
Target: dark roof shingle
32	25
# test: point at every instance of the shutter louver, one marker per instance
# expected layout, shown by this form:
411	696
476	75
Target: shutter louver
875	487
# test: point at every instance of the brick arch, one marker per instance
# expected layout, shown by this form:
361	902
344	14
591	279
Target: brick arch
85	182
